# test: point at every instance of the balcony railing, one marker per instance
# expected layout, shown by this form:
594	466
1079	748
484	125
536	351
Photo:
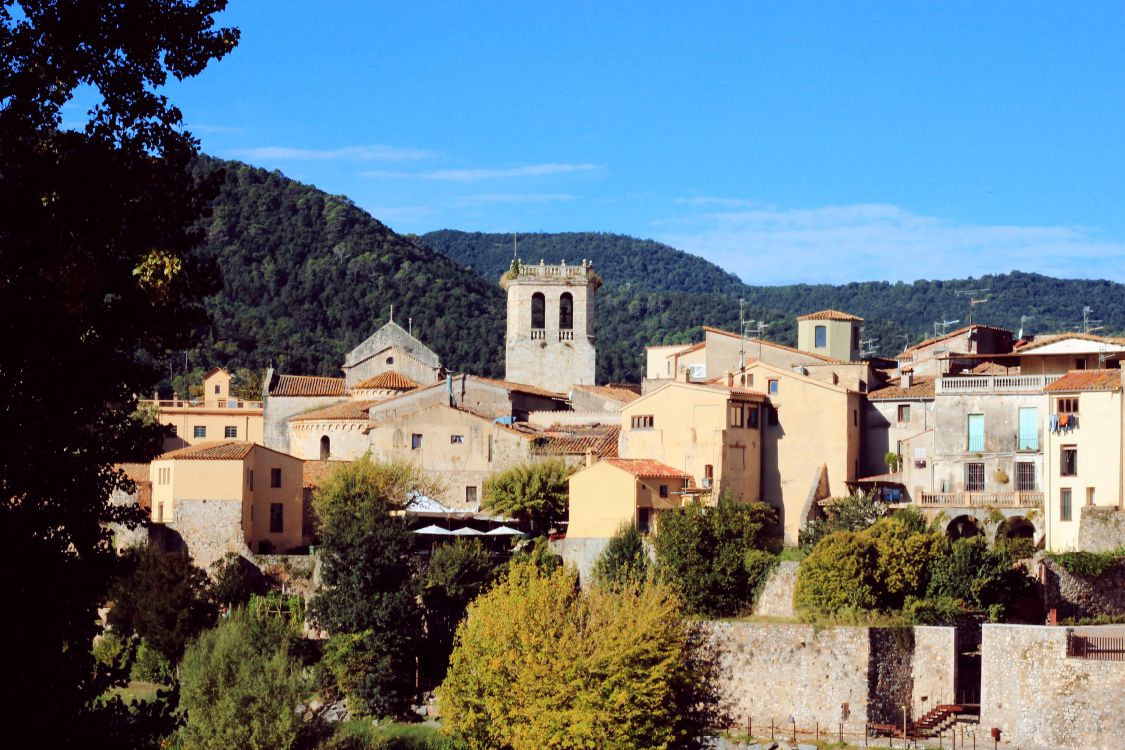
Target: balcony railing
994	383
538	334
201	404
566	335
1017	499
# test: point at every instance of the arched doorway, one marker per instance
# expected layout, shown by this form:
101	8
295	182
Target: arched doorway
963	527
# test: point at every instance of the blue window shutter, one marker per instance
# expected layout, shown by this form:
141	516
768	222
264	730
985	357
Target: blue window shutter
976	433
1029	429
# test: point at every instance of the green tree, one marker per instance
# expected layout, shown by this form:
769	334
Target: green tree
846	513
905	559
97	240
456	574
163	598
979	577
539	663
367	573
624	561
701	552
239	686
839	574
534	492
234	580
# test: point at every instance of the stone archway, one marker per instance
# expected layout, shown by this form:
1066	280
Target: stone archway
1015	527
963	527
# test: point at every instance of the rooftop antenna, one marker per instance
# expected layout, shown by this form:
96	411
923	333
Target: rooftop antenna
741	334
944	326
1087	321
392	313
761	328
867	347
515	245
1023	320
973	302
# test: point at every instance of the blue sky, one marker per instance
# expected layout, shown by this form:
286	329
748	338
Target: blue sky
787	141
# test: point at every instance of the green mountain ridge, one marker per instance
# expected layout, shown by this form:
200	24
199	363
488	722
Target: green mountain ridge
308	275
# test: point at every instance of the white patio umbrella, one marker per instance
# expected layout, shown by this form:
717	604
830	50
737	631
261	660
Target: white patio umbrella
435	530
504	531
466	531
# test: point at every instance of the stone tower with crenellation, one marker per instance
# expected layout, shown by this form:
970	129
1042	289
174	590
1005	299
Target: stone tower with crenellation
550	338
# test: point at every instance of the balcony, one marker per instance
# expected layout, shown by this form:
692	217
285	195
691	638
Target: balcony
538	334
232	404
1017	499
993	383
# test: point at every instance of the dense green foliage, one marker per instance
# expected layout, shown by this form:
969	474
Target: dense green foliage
625	561
457	572
535	492
1087	564
163	598
360	734
96	263
239	686
846	513
541	664
838	575
701	552
369	592
979	577
235	580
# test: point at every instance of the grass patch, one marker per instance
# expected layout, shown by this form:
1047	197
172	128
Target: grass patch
136	690
791	554
396	736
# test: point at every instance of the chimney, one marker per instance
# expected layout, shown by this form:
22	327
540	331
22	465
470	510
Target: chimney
591	459
682	374
729	378
907	379
449	388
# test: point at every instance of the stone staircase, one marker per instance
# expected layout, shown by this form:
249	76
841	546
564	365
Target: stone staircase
938	720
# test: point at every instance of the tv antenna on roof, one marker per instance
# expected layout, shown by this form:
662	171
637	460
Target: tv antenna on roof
1087	321
973	301
868	347
1023	319
944	326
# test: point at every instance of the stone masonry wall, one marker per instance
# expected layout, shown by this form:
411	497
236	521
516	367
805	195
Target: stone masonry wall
1101	529
1078	597
1043	700
773	671
776	598
210	529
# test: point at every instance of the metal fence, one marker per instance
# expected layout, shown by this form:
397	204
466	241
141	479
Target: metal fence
1099	647
962	735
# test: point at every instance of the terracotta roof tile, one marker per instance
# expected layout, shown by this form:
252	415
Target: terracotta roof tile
774	344
389	381
829	315
921	387
226	450
308	385
617	393
1087	380
646	467
577	439
136	472
315	472
346	410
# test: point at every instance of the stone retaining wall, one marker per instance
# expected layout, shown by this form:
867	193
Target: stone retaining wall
1101	529
776	598
1077	597
1041	699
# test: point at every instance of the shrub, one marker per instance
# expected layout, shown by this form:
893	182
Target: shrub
977	576
235	580
1085	564
904	559
838	574
152	666
624	561
239	687
701	552
846	513
539	664
759	564
942	610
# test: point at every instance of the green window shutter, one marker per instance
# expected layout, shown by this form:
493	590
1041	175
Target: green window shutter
1029	429
976	433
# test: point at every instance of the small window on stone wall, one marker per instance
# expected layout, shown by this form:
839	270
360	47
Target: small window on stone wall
277	518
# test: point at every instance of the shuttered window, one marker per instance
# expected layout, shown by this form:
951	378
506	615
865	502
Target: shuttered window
1029	429
976	433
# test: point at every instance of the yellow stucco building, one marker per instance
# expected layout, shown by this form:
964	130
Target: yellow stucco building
214	416
620	492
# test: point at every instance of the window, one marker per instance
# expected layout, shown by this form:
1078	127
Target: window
160	512
1068	463
974	477
200	431
216	390
250	480
708	476
415	441
1025	476
566	311
855	417
643	519
275	477
820	337
975	440
1089	495
752	417
664	490
390	360
773	387
771	415
1068	405
1080	364
642	422
471	495
396	439
325	447
904	412
538	310
1029	429
736	415
456	439
277	518
230	432
1064	504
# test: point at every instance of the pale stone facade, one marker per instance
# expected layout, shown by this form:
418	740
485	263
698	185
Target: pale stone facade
392	348
550	341
831	333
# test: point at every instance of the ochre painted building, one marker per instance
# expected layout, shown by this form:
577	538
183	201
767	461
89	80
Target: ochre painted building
619	492
215	416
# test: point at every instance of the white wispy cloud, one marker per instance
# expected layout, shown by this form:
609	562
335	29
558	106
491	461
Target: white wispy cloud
475	175
705	200
348	153
205	129
835	244
487	198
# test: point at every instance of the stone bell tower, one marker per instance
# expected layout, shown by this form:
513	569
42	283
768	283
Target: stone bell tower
550	338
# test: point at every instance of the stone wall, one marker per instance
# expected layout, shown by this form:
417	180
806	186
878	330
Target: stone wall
581	553
1101	529
277	410
776	598
772	671
208	529
1077	597
1041	699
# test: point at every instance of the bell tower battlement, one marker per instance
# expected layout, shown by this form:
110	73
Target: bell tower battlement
550	339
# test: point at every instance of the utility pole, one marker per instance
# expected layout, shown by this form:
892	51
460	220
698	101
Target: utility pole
741	334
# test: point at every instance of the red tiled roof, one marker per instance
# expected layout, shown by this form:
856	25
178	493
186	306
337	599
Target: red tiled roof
1087	380
136	472
829	315
693	347
390	381
577	439
921	387
308	385
226	450
775	345
353	410
951	334
618	393
646	467
315	472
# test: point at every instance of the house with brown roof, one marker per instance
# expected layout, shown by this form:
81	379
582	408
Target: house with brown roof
1083	458
227	496
832	333
898	418
216	415
617	492
942	354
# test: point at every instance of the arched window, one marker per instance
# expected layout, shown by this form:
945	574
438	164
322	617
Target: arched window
566	312
325	448
538	311
390	360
